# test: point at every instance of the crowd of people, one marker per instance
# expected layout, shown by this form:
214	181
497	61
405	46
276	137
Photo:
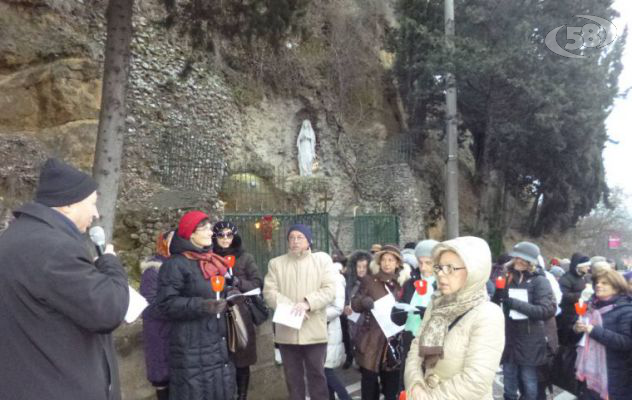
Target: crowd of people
433	321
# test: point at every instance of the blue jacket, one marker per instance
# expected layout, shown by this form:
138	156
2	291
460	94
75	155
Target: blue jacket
616	335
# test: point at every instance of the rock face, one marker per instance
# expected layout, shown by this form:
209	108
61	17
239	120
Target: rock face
189	126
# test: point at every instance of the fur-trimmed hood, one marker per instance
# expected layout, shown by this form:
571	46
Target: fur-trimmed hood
403	272
153	262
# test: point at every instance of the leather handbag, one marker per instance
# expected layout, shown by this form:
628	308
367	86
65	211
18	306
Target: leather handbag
237	335
258	309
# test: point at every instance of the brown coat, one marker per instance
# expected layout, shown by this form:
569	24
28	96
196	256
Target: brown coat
249	278
370	342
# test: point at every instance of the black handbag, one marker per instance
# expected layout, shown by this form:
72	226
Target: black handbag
258	309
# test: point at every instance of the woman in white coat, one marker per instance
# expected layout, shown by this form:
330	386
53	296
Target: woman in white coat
335	347
462	336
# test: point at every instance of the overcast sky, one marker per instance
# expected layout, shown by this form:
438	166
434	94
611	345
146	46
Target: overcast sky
618	157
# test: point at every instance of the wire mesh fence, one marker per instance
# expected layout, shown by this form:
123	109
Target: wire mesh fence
264	235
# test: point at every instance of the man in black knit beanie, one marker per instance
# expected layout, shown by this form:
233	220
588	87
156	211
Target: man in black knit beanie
58	305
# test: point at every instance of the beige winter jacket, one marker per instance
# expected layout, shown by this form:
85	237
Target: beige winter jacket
472	348
291	279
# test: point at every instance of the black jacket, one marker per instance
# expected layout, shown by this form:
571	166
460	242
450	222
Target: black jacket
57	309
199	364
525	339
571	284
616	335
248	278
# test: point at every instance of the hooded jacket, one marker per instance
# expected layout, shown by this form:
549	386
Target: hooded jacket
473	346
571	284
57	310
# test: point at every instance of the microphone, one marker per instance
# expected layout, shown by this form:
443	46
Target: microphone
97	235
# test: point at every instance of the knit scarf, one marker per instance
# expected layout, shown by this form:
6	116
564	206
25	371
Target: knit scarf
591	358
443	311
210	263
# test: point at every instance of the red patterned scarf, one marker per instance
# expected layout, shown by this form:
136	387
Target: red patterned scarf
210	263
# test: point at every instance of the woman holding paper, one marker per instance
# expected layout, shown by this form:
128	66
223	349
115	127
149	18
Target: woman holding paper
245	276
461	341
528	301
608	340
377	356
199	363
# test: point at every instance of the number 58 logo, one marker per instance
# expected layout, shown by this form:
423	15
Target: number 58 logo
590	35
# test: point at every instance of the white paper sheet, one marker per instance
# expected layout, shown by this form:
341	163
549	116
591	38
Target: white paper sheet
354	317
405	307
253	292
137	304
382	313
518	294
283	315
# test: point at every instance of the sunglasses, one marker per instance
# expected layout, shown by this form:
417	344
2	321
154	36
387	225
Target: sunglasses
224	235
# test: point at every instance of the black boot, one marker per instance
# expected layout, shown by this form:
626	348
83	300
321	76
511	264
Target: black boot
162	394
243	381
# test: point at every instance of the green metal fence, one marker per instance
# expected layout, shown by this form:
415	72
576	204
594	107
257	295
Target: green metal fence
375	228
264	235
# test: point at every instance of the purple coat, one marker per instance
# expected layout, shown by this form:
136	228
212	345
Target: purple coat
155	330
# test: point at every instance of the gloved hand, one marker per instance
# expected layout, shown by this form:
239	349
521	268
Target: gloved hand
420	310
367	303
501	295
235	300
213	306
587	293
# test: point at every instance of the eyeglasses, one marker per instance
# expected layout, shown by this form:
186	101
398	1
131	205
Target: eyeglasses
446	269
226	235
296	238
203	228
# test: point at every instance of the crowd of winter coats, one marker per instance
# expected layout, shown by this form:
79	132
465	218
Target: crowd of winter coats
547	342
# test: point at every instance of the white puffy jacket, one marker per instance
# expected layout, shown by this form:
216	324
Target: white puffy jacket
335	347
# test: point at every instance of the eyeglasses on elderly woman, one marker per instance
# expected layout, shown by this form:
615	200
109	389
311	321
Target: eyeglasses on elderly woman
446	269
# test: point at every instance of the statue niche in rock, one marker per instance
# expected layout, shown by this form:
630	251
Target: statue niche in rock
306	144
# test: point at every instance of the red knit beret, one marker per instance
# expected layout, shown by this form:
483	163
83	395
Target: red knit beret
189	222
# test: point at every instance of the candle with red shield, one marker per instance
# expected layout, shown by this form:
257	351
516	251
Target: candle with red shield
501	282
402	395
580	309
230	261
217	284
421	286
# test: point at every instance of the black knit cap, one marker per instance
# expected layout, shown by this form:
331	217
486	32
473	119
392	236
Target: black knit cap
61	184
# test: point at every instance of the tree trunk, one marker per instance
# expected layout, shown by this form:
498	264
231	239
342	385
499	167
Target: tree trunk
111	133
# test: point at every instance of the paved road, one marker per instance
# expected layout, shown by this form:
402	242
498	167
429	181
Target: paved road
351	378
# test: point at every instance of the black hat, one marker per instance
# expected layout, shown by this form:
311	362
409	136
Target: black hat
61	184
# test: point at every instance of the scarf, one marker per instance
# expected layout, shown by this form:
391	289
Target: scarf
210	263
591	358
413	321
443	311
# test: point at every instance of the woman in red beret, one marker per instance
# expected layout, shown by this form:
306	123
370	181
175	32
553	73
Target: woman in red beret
199	364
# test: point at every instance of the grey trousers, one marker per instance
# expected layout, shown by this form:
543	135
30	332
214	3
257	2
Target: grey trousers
301	362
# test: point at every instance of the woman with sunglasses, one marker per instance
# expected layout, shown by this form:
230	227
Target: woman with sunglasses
462	333
245	277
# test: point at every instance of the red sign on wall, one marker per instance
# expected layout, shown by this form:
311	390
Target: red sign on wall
614	241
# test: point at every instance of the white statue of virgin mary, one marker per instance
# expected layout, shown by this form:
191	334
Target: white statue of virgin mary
306	144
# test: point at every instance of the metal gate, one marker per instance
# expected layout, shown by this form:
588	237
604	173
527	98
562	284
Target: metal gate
375	228
265	235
